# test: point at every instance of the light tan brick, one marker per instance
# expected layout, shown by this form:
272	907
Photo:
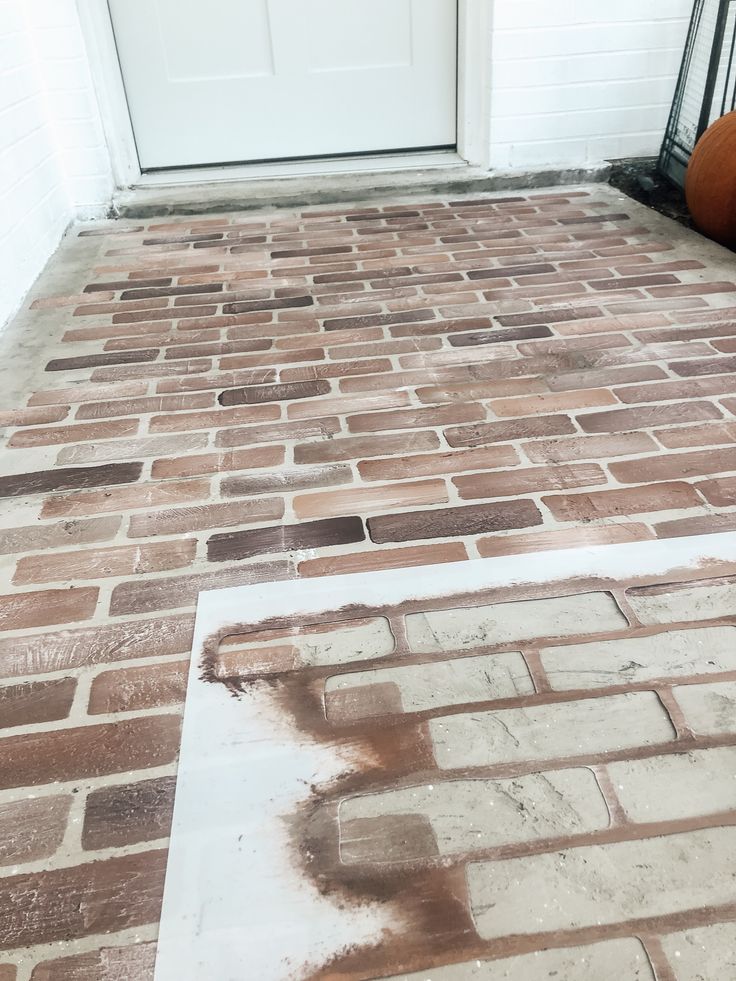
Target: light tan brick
710	709
603	884
469	815
685	785
426	686
612	960
696	601
676	653
704	953
501	623
337	642
547	732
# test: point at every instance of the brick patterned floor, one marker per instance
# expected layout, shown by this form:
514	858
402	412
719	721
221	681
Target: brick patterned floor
242	398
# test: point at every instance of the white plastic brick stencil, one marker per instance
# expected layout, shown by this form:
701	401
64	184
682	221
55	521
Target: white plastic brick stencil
436	776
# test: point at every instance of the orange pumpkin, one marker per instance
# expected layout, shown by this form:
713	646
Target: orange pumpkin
710	186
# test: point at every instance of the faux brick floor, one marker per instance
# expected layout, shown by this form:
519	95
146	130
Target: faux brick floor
242	398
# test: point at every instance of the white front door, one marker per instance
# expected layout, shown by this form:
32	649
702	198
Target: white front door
222	81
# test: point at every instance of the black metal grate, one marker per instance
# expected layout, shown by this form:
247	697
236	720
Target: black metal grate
706	85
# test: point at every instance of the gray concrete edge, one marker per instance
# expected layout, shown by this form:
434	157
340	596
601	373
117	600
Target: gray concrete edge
326	189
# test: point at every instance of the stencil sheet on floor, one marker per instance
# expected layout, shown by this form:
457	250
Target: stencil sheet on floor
499	769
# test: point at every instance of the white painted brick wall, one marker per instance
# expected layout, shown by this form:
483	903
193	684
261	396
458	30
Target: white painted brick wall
54	164
580	81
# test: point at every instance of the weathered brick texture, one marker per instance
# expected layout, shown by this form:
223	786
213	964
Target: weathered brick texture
257	397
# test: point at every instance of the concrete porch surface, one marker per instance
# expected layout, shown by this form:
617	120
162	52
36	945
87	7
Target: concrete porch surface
195	403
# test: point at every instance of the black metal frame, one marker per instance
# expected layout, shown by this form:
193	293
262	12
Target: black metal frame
683	133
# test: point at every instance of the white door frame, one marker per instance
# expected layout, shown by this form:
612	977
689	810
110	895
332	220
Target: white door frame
475	22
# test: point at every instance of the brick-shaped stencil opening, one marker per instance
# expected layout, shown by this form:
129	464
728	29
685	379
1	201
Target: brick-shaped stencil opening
508	623
418	687
712	599
457	817
273	652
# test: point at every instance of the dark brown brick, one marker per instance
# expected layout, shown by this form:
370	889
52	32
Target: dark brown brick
498	336
88	751
548	316
497	432
36	701
124	284
593	219
101	360
382	215
148	292
60	905
453	522
512	272
489	202
70	478
326	250
285	538
274	393
119	816
284	303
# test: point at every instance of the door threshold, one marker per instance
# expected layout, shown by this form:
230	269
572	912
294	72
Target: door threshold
297	191
376	163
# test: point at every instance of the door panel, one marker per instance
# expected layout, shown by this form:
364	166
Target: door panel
216	81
